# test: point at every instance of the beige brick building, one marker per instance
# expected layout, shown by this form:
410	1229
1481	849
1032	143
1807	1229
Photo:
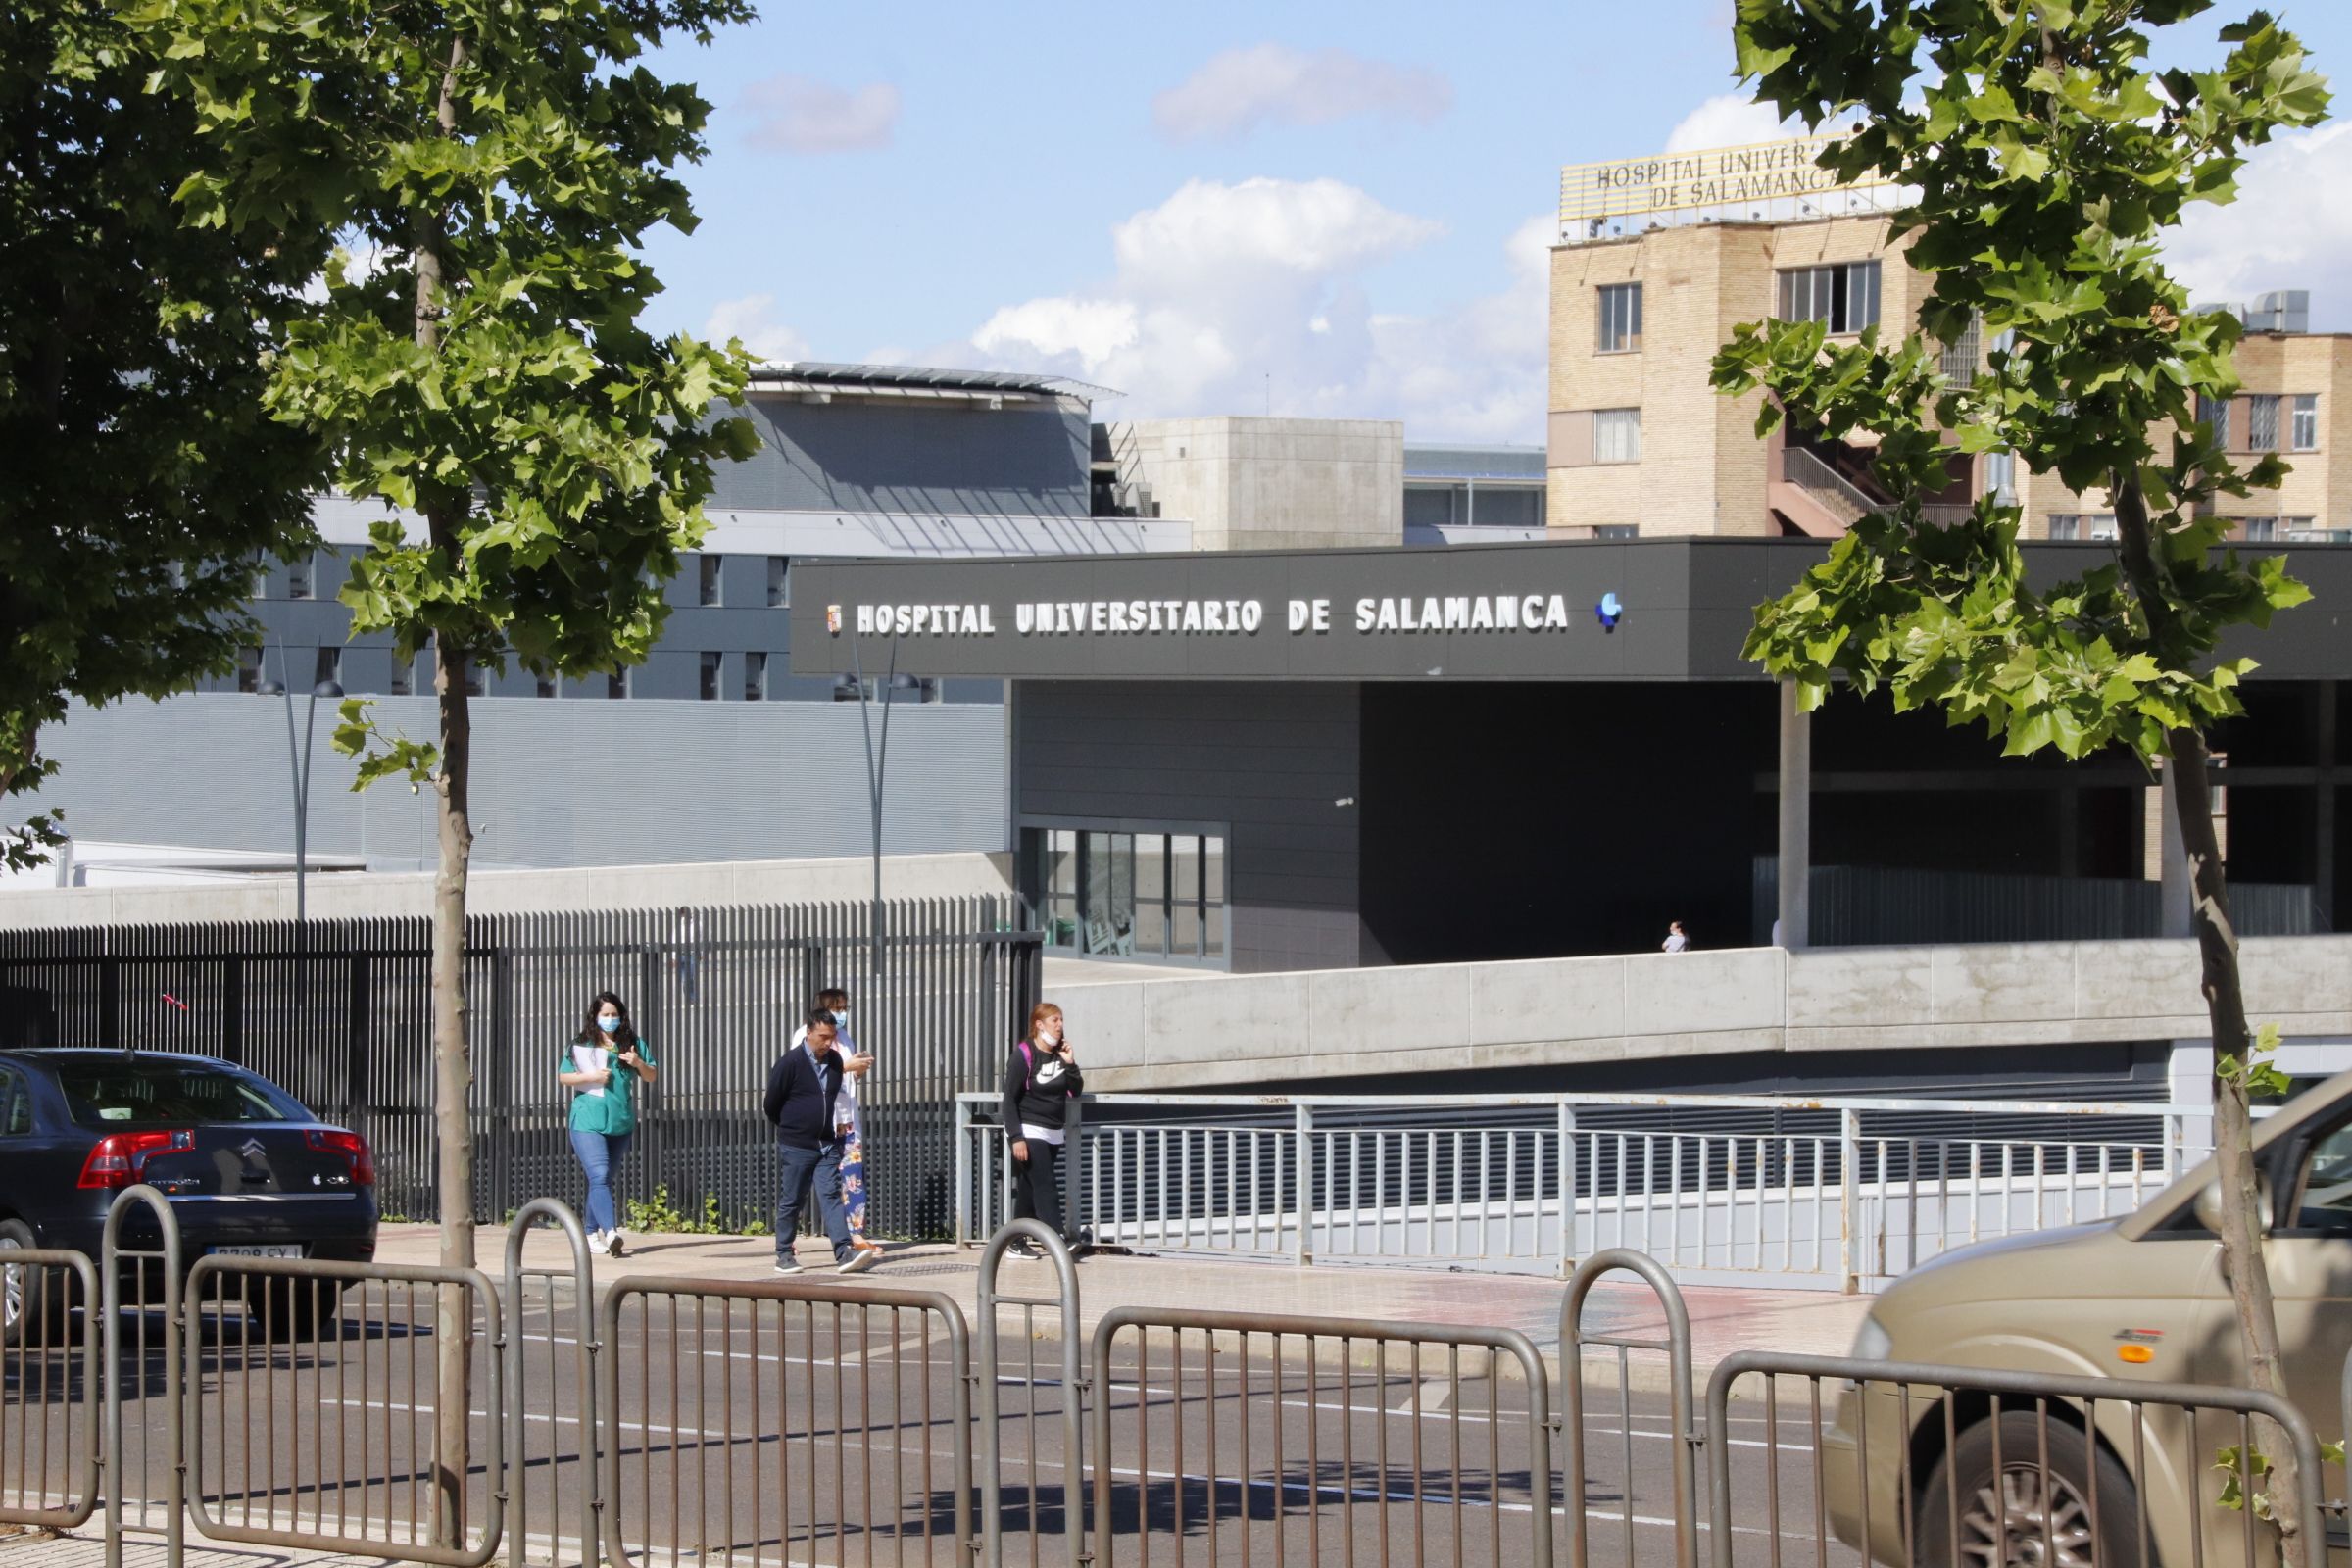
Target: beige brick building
1639	444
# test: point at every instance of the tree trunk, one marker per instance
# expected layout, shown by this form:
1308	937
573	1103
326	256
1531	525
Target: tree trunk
2242	1261
453	1073
452	1080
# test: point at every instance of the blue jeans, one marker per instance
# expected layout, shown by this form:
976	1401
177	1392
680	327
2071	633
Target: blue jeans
600	1154
804	1170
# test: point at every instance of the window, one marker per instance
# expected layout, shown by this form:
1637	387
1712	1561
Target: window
849	689
2082	525
1961	353
755	677
2261	423
1130	895
328	669
1617	530
16	1106
1617	435
547	686
249	670
133	1092
710	579
1845	296
477	682
1620	318
2324	1191
298	577
2000	478
2304	437
404	675
617	684
2260	528
2215	413
710	669
779	581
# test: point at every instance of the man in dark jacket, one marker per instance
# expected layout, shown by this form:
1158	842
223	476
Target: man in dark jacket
801	1088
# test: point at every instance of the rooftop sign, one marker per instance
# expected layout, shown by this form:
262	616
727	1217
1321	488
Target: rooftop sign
1772	180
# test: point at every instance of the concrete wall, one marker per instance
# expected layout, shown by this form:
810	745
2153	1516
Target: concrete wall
1263	765
1270	484
554	784
1175	1035
340	896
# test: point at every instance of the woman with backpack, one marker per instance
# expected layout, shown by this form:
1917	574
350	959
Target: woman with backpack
601	1066
1041	1079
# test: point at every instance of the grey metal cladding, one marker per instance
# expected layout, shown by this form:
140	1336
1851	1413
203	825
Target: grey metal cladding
1019	461
1687	606
554	784
1268	766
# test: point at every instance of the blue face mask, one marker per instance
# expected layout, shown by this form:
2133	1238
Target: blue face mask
608	1025
841	1016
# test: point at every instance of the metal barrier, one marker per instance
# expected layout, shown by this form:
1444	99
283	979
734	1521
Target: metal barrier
1934	1466
748	1419
155	1371
380	1466
48	1426
1329	1473
1681	1433
1827	1193
547	1407
1040	1440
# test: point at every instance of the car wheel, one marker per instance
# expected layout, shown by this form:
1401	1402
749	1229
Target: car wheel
21	1307
290	1310
2028	1515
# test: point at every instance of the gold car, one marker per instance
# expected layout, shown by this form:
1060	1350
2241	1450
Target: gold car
2137	1300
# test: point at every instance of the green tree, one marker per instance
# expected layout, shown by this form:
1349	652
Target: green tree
2046	158
478	363
144	475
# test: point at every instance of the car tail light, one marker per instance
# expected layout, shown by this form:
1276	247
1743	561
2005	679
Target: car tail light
352	1146
118	1159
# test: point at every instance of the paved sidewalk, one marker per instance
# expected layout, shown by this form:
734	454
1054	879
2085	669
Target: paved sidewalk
1723	1319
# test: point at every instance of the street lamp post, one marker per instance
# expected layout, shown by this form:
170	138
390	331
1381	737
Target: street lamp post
877	761
299	761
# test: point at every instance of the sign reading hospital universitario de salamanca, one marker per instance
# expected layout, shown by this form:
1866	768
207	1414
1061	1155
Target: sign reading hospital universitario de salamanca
1774	173
1196	618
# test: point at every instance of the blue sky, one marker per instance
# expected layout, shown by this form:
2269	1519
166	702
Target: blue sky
1331	209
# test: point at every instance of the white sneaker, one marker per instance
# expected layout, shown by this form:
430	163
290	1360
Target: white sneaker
595	1242
859	1262
790	1268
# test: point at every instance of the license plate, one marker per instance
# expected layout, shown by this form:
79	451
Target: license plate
282	1250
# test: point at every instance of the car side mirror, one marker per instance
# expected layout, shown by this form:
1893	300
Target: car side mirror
2209	1205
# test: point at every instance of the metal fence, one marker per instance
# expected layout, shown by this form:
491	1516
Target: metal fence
844	1422
339	1013
1835	1194
1885	905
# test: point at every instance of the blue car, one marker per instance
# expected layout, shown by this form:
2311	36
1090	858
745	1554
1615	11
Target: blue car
247	1169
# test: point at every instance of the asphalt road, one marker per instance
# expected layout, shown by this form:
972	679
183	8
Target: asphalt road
810	1433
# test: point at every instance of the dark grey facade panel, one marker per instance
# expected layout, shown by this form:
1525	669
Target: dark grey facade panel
1020	460
1687	606
554	784
1265	766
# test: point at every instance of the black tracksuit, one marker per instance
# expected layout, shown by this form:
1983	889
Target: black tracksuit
1038	1088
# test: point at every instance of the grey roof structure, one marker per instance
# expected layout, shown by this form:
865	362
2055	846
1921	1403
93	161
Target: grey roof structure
916	381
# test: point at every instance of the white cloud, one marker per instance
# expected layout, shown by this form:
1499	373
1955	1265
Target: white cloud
1220	288
1729	119
753	319
1242	90
2279	234
800	114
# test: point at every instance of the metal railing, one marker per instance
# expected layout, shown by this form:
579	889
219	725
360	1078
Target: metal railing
1832	491
813	1422
847	1422
49	1427
1836	1194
